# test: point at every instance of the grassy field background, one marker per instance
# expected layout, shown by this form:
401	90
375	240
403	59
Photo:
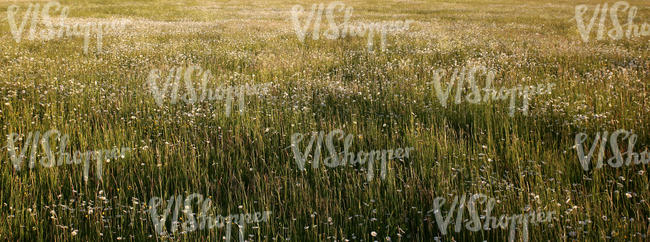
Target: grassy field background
244	163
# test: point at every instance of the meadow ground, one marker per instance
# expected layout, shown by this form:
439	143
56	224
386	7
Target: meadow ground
243	161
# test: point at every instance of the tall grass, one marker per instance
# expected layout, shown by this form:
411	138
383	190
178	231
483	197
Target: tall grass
244	163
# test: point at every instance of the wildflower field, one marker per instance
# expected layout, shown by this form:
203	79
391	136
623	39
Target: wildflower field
91	133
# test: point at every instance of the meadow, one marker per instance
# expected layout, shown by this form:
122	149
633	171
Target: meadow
244	161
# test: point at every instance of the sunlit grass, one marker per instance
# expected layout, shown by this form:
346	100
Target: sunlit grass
101	101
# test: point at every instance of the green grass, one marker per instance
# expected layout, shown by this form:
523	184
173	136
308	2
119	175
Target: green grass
101	101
